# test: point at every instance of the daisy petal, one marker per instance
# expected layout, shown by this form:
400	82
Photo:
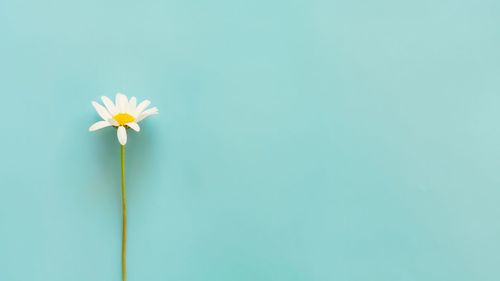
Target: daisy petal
147	113
121	102
140	108
134	126
101	110
99	125
132	104
109	105
122	135
113	122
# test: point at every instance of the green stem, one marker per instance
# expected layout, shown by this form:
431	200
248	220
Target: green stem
124	218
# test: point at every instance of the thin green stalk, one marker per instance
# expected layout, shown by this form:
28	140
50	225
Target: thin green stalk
124	218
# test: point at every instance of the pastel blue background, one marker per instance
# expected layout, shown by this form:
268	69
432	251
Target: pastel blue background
296	141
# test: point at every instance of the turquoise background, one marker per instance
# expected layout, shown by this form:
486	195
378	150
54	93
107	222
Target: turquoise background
296	141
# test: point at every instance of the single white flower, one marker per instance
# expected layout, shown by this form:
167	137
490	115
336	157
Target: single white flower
122	114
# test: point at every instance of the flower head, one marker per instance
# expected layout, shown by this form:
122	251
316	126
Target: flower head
122	114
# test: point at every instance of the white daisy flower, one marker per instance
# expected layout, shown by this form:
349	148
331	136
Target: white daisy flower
122	114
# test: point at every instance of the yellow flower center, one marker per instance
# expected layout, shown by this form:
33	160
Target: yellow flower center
123	118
